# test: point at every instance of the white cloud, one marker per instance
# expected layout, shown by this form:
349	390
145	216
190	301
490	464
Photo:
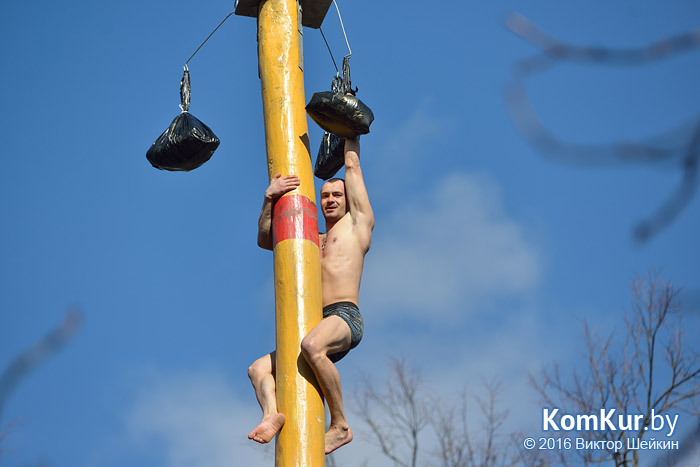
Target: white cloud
195	419
389	155
453	249
406	140
198	421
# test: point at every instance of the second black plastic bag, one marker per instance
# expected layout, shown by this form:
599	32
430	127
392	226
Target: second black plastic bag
331	153
331	156
187	143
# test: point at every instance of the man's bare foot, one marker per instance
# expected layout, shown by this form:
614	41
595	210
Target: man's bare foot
267	429
336	437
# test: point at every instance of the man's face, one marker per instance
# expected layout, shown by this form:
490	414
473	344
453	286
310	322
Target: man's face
333	205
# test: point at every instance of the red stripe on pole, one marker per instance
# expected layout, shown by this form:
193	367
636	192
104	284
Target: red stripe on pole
294	216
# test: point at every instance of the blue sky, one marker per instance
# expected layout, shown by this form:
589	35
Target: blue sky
484	255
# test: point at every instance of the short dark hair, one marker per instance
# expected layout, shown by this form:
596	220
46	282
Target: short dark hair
335	179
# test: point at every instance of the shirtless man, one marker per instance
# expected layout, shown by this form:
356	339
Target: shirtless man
349	223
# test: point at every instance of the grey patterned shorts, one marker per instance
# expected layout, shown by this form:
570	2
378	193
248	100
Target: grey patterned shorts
350	313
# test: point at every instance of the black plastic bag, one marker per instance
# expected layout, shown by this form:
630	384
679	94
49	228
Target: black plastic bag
345	116
331	153
187	143
331	156
340	114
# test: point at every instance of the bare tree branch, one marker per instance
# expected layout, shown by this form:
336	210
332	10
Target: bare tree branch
37	354
682	151
399	413
629	373
32	358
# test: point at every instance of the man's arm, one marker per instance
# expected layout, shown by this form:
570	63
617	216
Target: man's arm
278	186
355	191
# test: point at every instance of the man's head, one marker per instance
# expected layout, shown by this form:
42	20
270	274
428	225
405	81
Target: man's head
333	202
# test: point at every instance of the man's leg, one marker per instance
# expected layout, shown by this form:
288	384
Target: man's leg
262	375
330	336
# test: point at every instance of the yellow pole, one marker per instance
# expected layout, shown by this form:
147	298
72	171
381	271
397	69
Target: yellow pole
297	263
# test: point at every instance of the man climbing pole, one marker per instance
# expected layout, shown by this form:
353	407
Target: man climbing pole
349	222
